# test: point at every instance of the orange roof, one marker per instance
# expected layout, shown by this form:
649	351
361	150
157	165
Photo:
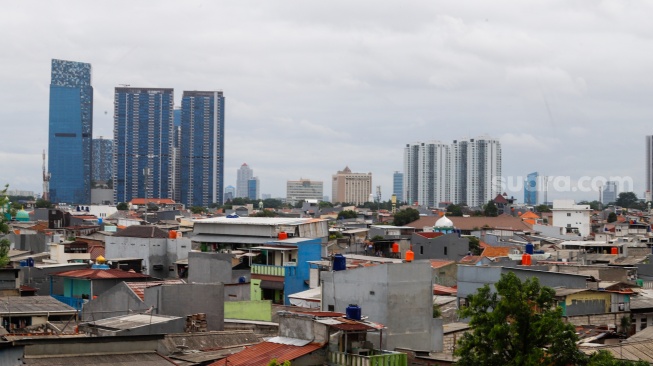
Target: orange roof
470	259
444	290
439	263
156	201
429	235
262	353
496	251
530	215
100	274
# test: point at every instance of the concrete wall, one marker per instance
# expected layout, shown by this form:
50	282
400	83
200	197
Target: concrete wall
299	326
399	295
613	319
449	246
237	291
249	310
34	243
186	299
209	267
119	300
154	252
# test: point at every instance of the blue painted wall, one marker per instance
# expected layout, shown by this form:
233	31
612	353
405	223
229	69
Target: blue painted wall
296	277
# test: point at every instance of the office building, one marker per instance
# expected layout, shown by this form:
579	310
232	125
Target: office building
202	148
253	188
229	193
70	132
245	173
465	172
303	189
531	189
610	193
102	162
348	187
398	186
427	173
143	143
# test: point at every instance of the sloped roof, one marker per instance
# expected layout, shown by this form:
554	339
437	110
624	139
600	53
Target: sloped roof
141	231
96	251
506	222
500	199
138	288
33	305
470	259
263	352
492	252
530	215
429	235
443	290
439	263
116	359
633	351
100	274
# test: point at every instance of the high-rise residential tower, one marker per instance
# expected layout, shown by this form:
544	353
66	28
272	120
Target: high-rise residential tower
398	186
143	143
303	189
348	187
531	189
245	173
102	161
202	148
70	132
427	169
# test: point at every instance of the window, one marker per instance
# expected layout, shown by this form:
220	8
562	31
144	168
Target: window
445	250
568	214
331	308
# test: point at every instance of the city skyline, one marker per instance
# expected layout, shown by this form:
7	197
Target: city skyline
527	76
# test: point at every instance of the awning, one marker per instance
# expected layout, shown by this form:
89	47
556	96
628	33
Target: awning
355	231
203	238
271	285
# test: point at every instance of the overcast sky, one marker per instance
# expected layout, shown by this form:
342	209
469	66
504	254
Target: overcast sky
312	87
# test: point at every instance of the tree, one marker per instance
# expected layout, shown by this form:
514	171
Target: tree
406	216
324	204
347	214
475	245
542	208
272	203
275	362
41	203
612	217
122	206
454	210
519	324
197	209
627	200
491	209
605	358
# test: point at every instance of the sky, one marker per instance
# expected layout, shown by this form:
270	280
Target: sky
312	87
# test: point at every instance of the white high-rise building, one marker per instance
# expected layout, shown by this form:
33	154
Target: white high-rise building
245	173
466	171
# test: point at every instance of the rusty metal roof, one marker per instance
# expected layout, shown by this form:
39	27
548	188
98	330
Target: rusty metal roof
262	353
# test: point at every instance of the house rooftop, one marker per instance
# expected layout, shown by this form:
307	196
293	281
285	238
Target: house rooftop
132	321
16	305
100	274
269	221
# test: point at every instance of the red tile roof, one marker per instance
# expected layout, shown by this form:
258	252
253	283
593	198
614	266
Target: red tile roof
262	353
444	290
429	235
100	274
470	259
139	287
439	263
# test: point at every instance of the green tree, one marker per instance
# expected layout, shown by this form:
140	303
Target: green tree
406	216
197	209
299	204
272	203
519	324
454	210
628	200
275	362
612	217
491	209
605	358
542	208
347	214
324	204
122	206
41	203
475	245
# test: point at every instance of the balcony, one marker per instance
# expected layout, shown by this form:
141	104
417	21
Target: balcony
375	358
262	269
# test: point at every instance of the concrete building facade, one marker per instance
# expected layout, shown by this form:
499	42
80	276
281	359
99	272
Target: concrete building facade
303	190
245	173
573	218
351	187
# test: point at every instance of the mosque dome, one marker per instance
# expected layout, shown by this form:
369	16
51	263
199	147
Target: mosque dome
443	222
22	215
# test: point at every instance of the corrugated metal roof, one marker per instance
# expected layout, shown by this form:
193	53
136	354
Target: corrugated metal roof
206	238
100	274
289	341
127	359
269	221
262	353
133	321
33	305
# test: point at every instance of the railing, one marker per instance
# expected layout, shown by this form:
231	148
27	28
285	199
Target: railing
647	285
377	358
70	301
263	269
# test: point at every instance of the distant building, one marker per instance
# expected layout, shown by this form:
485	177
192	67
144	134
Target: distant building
398	186
143	143
176	155
351	187
649	163
70	132
266	196
245	173
531	187
202	148
229	193
102	161
303	189
253	188
610	192
574	219
427	173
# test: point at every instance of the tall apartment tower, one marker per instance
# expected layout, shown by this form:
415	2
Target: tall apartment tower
143	143
102	161
531	189
649	164
70	132
351	187
427	173
245	173
202	148
304	189
398	186
176	155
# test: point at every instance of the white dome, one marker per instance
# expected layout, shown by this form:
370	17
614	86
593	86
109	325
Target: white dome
443	222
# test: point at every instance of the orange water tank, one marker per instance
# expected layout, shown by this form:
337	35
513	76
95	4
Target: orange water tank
410	255
283	235
17	231
614	251
172	234
395	248
526	259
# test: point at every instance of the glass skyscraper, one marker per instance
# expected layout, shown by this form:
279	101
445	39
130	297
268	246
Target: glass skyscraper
143	143
102	161
202	148
70	132
398	186
531	188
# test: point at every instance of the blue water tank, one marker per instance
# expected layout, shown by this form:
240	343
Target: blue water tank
99	221
529	248
23	263
242	279
353	312
30	262
339	262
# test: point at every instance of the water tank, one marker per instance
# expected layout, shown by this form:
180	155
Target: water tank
172	234
353	312
395	248
30	262
529	248
410	255
242	279
339	262
283	235
23	263
99	221
614	250
639	282
526	259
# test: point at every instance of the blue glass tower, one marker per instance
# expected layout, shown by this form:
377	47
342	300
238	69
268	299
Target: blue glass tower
143	143
531	188
398	186
253	188
202	148
70	132
102	161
